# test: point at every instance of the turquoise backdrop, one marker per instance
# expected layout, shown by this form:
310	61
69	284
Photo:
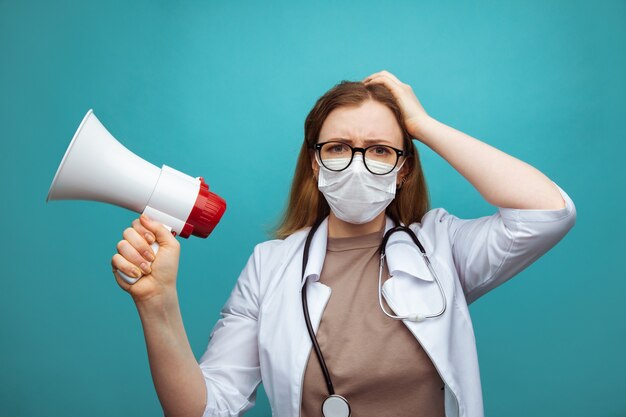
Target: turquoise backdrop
221	89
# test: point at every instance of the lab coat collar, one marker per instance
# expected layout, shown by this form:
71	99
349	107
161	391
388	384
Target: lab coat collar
402	255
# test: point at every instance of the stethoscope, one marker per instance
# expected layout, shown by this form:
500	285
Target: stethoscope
335	405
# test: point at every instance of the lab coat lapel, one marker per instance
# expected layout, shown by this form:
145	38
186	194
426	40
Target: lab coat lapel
403	256
411	289
317	293
317	253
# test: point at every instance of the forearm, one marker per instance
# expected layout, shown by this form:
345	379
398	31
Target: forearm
176	374
501	179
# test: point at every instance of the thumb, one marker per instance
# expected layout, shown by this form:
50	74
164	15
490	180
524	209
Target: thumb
163	236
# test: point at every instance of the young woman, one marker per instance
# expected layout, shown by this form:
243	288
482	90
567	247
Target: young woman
327	323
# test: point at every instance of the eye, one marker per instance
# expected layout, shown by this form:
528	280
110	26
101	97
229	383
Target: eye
336	148
381	150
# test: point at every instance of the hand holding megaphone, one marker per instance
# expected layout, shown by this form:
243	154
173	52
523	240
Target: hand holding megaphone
97	167
134	258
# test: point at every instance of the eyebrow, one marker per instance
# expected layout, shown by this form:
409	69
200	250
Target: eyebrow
366	141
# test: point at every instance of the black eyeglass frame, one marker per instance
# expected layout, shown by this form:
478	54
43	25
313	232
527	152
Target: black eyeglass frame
399	153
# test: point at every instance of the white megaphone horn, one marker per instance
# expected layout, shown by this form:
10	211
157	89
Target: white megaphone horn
97	167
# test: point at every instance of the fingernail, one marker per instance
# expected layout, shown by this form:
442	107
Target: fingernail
149	237
136	273
145	267
149	256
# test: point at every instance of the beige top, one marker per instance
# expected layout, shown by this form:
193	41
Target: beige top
374	361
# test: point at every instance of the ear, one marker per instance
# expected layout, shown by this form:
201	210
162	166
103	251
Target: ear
404	171
314	165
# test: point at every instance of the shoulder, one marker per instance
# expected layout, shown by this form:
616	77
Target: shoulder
278	250
435	215
434	228
433	220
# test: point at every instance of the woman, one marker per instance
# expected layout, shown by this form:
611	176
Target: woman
408	352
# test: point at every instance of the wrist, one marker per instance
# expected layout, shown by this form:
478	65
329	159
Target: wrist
418	127
161	303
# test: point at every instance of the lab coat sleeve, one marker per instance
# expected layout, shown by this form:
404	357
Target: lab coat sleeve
490	250
230	364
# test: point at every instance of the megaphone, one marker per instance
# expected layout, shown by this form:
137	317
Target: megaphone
98	167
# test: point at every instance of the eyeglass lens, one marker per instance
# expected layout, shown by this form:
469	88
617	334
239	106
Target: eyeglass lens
379	159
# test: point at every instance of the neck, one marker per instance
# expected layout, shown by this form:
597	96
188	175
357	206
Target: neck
339	228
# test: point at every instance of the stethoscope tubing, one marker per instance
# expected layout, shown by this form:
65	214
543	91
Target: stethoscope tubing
383	244
305	307
382	250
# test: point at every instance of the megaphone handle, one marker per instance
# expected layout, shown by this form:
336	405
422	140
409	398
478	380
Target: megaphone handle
131	280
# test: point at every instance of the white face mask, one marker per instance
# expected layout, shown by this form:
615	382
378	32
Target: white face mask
356	195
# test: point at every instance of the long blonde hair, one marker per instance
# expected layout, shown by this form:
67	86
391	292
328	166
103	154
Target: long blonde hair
307	204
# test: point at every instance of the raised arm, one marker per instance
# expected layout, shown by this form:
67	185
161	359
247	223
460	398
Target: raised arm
224	382
177	377
533	214
504	181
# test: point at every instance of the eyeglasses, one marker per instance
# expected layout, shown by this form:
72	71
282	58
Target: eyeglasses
378	159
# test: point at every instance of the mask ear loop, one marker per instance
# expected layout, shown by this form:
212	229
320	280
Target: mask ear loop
319	166
399	185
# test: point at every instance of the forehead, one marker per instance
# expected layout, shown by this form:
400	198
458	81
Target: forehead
370	120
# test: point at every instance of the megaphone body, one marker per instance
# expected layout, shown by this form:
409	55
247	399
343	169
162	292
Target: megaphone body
98	167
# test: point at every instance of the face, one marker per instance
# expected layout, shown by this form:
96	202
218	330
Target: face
370	123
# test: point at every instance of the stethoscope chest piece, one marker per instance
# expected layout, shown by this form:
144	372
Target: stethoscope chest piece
335	406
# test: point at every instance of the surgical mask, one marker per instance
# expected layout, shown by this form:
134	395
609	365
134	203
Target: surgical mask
356	195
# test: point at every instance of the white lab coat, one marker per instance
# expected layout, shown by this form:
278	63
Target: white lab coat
262	337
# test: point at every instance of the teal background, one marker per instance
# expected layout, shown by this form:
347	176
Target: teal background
221	89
